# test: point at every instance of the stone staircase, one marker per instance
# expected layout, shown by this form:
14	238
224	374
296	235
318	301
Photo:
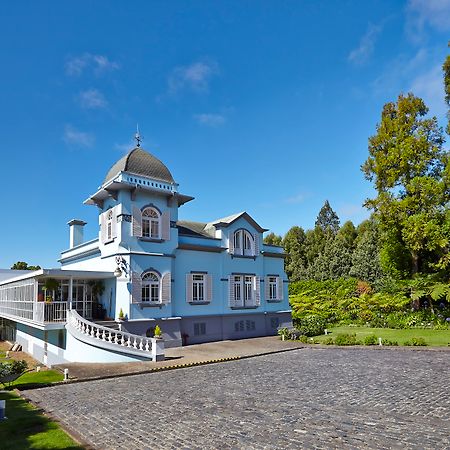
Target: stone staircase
112	324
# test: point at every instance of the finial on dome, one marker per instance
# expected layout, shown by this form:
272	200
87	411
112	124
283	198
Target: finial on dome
137	136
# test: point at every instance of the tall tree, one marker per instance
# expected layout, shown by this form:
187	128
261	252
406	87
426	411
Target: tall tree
327	219
446	69
294	246
366	257
408	165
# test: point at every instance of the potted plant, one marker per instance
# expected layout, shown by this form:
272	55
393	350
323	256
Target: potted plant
121	315
157	334
50	286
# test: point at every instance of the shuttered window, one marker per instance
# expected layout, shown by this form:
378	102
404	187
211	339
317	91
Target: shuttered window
198	287
149	223
244	291
273	288
243	243
108	225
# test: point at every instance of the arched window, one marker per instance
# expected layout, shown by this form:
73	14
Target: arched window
150	287
151	223
244	243
109	225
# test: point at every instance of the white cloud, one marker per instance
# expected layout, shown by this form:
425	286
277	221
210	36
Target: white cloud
211	120
196	77
125	148
363	52
422	13
75	66
76	137
92	99
430	87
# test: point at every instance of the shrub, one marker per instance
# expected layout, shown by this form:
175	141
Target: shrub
416	342
8	370
311	325
371	340
157	332
303	339
328	341
388	342
346	339
363	287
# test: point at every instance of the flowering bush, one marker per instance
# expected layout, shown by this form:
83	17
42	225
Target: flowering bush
9	371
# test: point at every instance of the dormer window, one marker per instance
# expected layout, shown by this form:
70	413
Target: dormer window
243	243
151	223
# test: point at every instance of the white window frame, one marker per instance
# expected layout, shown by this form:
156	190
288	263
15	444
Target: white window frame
198	287
151	288
109	225
273	287
151	223
243	243
244	288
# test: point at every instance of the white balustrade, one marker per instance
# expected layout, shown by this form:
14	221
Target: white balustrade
104	334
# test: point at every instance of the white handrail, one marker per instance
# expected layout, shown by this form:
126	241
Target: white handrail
109	335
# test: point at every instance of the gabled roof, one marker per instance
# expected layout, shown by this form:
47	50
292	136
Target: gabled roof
195	228
140	162
225	222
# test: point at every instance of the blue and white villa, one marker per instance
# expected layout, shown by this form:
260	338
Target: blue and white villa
199	282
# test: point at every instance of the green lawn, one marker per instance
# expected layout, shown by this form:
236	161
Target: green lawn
432	337
27	428
36	379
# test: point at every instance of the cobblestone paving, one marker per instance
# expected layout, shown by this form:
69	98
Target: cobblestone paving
309	398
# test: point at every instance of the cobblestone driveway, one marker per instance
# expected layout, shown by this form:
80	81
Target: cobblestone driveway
309	398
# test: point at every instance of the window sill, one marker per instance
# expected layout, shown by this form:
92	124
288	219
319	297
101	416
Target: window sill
109	241
150	305
273	301
148	239
244	307
199	303
243	256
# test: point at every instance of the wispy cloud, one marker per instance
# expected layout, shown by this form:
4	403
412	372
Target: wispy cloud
361	54
429	86
426	13
125	148
210	120
76	137
295	199
399	72
98	64
355	213
92	99
195	77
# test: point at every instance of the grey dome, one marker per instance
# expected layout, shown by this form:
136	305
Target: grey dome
140	162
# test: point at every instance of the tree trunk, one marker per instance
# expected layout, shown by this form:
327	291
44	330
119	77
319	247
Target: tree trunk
415	262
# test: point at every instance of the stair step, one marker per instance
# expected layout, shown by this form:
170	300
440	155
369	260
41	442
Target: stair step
108	324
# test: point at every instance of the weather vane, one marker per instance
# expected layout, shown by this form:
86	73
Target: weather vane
137	136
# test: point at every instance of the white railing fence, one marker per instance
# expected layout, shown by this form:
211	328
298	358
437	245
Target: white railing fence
124	341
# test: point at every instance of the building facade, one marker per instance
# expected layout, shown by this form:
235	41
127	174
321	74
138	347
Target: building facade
199	282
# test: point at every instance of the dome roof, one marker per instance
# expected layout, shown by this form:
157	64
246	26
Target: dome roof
140	162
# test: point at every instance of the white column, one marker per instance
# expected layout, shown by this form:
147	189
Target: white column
70	292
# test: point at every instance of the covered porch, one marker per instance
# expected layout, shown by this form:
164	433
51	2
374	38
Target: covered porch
44	296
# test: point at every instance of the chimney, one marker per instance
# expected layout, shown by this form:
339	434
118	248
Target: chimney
76	232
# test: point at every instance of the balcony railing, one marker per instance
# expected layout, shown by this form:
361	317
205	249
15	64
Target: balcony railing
40	312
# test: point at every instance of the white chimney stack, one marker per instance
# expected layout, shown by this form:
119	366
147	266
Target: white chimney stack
76	232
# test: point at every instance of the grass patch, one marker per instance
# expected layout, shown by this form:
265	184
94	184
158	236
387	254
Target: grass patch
37	379
435	338
27	428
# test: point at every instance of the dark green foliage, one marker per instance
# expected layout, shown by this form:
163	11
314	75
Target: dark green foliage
327	220
328	341
10	370
303	339
346	339
371	340
311	325
389	343
446	69
295	248
366	257
22	265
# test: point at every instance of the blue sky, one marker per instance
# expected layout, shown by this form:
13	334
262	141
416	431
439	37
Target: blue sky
263	106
